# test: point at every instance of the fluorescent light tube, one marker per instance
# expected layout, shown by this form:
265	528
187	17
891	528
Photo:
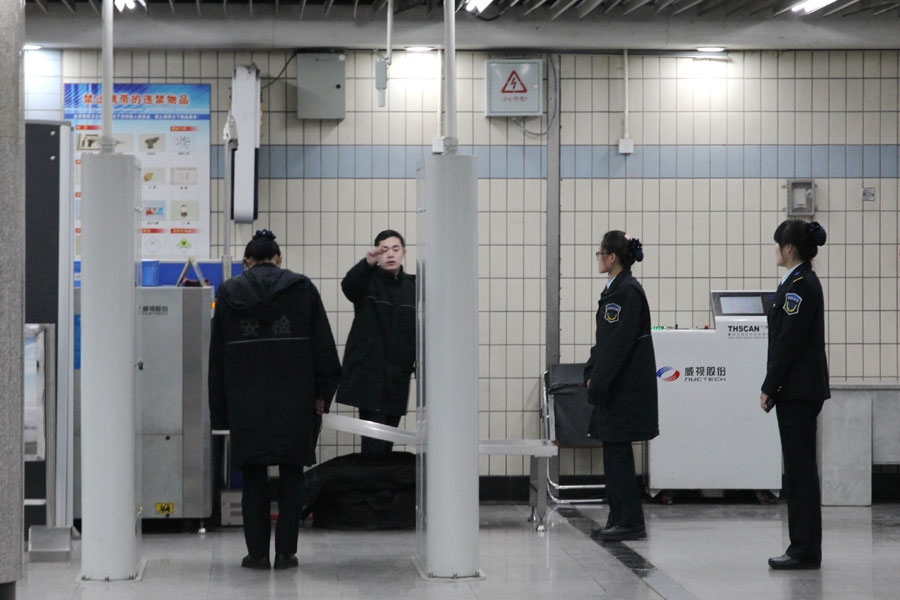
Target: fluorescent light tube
810	6
477	5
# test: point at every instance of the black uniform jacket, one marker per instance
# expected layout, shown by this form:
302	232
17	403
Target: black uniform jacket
622	367
380	354
271	356
796	367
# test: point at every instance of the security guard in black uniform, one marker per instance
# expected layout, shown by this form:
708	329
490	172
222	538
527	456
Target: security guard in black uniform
797	385
273	367
380	355
621	380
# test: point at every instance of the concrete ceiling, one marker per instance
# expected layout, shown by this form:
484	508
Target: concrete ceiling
510	25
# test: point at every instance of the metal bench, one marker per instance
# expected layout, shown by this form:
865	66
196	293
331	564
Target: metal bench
540	452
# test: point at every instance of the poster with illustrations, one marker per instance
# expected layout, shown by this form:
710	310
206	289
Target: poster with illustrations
167	128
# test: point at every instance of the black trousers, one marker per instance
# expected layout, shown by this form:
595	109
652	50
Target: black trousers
256	508
372	445
797	426
622	488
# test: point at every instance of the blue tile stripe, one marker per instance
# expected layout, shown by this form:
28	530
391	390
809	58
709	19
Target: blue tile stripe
582	162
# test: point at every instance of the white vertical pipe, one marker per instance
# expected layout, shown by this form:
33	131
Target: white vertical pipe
625	59
440	98
390	31
229	136
450	75
107	141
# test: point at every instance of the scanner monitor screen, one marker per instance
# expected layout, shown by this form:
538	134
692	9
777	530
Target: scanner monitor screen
742	305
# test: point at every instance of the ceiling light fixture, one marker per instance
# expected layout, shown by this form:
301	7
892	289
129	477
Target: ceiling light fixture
477	5
810	6
419	48
122	5
31	47
710	49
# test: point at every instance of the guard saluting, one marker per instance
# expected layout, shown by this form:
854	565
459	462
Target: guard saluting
797	385
380	355
621	380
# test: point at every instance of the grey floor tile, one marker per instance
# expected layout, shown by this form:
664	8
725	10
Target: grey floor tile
701	551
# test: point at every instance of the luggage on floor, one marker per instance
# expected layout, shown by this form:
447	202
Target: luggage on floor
362	492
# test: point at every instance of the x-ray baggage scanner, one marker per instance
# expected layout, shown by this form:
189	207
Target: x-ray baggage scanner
713	434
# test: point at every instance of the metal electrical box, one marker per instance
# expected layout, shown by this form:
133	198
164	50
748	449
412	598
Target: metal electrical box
321	85
173	403
514	87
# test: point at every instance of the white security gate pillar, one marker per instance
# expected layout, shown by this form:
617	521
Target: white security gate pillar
447	375
109	503
110	471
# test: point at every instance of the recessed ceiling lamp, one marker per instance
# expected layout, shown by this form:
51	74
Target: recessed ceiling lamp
419	48
31	47
810	6
477	5
710	49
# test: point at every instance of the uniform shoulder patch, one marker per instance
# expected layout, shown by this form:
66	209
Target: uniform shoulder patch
792	303
611	312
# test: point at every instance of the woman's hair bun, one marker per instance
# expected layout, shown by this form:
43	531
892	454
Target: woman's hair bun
264	234
637	249
817	233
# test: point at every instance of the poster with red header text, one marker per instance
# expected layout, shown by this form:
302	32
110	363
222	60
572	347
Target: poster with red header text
166	126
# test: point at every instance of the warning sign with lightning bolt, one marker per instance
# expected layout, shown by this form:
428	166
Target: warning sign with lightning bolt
514	85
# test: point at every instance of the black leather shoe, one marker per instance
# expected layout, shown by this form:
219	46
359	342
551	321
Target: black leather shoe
286	561
249	562
618	533
595	533
789	562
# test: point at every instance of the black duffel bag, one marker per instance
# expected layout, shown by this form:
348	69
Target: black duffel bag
362	492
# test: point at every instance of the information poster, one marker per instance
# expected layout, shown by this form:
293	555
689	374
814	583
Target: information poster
167	128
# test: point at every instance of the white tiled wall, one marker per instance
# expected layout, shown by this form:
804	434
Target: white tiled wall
703	233
324	225
43	85
705	224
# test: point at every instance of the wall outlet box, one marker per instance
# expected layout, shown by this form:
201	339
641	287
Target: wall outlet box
868	194
801	197
626	146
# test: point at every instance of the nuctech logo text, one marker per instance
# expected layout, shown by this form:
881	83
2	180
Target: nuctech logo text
668	374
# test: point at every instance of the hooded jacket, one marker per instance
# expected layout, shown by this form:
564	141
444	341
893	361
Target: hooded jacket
380	354
622	366
271	356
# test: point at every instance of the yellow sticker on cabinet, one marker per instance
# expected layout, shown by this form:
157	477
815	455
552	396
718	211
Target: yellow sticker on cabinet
165	508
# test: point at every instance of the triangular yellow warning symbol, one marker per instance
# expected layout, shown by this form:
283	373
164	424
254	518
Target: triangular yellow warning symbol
514	85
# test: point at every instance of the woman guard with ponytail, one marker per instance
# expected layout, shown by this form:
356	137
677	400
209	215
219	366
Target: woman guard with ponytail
796	384
621	381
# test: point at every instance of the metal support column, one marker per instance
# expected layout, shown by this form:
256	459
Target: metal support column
12	294
553	251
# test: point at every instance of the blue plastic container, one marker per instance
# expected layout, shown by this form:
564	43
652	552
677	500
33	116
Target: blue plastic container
150	273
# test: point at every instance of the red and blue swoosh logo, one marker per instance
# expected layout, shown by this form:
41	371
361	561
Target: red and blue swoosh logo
668	374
